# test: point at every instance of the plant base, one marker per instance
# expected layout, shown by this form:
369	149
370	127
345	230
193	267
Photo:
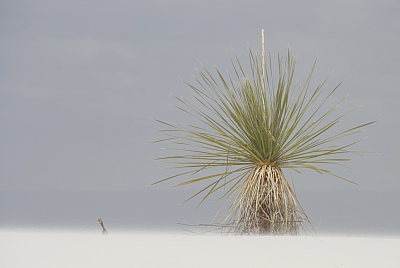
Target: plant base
266	205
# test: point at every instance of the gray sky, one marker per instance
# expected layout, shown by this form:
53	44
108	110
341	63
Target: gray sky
81	80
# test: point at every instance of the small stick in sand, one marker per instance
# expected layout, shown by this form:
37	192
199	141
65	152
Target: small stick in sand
102	226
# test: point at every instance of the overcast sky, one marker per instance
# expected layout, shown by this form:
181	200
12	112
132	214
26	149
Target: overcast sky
80	82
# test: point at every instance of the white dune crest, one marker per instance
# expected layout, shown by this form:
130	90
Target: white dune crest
151	249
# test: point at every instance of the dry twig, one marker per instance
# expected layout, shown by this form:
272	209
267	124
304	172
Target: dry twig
104	231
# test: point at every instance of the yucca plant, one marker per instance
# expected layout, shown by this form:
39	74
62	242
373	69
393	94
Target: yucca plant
246	130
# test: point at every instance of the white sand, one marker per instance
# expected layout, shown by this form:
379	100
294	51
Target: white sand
80	249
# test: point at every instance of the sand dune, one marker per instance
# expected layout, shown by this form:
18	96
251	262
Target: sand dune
130	249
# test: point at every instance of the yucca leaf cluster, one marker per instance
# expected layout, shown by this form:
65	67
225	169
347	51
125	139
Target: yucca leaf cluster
246	128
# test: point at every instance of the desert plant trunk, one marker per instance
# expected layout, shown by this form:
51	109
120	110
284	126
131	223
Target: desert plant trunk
266	204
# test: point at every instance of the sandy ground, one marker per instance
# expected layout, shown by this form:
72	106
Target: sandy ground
130	249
